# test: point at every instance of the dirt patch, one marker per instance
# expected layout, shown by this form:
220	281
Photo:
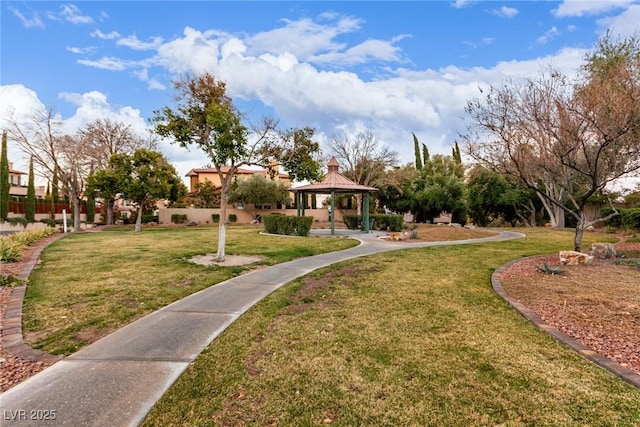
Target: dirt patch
598	304
229	260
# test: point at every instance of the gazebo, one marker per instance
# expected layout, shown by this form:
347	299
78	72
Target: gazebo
335	183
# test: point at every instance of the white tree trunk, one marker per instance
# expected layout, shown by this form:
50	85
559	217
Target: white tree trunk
139	218
222	226
75	202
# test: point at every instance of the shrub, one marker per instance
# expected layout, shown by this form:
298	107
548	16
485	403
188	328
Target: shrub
628	220
179	218
9	281
50	222
388	222
381	222
288	225
10	250
149	218
233	218
351	221
18	220
215	218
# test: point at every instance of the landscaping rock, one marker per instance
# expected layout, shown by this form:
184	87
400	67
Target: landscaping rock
574	258
603	250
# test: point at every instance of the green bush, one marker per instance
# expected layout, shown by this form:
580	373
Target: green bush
388	222
179	218
351	221
215	218
18	220
149	218
233	218
288	225
50	222
628	220
381	222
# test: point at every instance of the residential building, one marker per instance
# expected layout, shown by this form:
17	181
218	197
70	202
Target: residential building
211	174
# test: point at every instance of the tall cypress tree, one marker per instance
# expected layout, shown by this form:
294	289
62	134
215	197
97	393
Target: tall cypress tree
4	180
30	209
456	153
416	146
425	154
55	191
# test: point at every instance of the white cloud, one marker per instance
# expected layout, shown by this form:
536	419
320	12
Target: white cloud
29	22
195	52
505	12
113	35
81	50
154	84
107	63
459	4
370	50
548	35
483	42
71	13
132	42
591	7
625	24
303	38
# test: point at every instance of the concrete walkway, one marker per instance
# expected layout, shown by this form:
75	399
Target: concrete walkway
117	380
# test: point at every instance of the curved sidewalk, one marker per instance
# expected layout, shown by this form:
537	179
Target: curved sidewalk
117	380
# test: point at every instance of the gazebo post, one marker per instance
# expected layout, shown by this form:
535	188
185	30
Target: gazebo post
333	213
298	203
365	212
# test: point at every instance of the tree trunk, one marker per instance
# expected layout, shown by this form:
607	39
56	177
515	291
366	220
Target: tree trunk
139	217
109	203
75	201
222	226
580	227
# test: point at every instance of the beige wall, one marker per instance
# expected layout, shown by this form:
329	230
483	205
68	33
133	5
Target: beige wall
203	216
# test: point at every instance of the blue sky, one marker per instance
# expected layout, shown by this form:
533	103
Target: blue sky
389	67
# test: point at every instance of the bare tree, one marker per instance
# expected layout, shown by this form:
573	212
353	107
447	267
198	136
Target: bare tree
364	158
56	153
566	141
106	137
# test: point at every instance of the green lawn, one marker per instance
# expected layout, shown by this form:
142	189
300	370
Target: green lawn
88	285
414	337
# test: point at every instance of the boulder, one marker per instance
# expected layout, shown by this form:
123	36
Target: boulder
574	258
603	250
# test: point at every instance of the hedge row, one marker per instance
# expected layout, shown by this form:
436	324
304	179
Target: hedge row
381	222
629	218
288	225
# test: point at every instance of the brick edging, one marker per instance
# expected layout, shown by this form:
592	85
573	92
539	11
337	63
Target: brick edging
12	339
614	367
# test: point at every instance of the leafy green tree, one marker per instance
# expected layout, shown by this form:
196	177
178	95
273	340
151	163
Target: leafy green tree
416	148
206	195
108	183
5	185
91	209
439	187
148	177
258	190
30	208
396	194
206	118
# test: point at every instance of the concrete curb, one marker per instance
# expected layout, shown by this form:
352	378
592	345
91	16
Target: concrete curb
614	367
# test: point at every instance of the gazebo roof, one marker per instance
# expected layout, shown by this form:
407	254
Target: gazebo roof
334	182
